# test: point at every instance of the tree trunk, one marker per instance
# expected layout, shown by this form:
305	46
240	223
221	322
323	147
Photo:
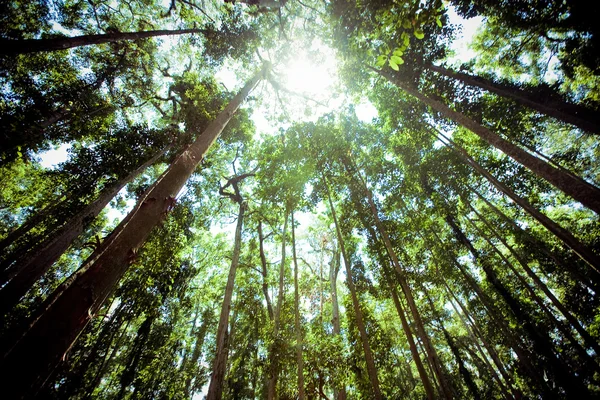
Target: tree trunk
371	369
68	310
539	245
263	264
590	342
565	236
542	344
135	355
577	188
431	352
582	117
200	335
334	268
215	389
429	391
299	359
39	260
13	47
484	356
273	355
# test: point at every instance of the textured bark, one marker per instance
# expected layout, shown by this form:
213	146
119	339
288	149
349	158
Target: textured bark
577	188
60	320
582	117
39	259
297	327
273	357
14	47
371	369
565	236
215	389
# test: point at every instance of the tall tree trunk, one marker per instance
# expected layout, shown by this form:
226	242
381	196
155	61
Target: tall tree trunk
39	259
429	391
273	355
31	222
263	264
200	336
467	376
482	353
299	359
542	344
371	369
577	188
564	235
431	352
68	310
589	341
553	106
22	46
215	389
334	268
135	355
540	246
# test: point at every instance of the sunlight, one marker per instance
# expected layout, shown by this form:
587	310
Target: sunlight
311	72
307	77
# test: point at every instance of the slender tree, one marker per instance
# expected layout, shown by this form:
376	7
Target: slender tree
60	320
39	259
577	188
371	369
21	46
551	105
215	389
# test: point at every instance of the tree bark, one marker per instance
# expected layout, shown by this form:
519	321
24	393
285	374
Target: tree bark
552	106
58	323
215	389
39	259
371	369
13	47
273	352
299	358
577	188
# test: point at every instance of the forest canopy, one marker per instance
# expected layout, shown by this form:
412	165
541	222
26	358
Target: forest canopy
286	199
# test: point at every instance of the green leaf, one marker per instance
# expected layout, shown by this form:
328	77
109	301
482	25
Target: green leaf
438	22
406	38
397	60
381	61
419	34
406	24
393	65
398	52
